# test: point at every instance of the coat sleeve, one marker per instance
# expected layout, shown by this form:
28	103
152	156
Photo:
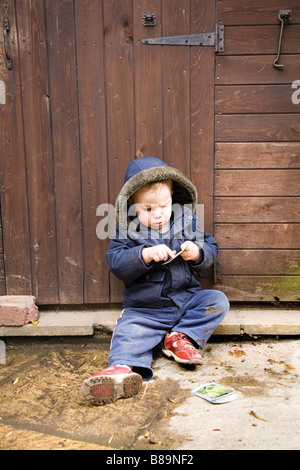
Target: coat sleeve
208	249
125	260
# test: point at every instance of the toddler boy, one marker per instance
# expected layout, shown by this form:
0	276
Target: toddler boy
162	299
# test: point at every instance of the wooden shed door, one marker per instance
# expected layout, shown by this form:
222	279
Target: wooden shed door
83	97
172	97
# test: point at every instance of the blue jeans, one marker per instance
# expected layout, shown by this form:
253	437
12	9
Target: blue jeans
138	330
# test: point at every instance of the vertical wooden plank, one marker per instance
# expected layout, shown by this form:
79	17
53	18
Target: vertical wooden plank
118	30
148	77
31	30
13	167
64	108
90	49
2	273
176	86
119	81
202	110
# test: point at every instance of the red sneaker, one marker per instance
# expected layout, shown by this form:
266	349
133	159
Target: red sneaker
181	349
112	383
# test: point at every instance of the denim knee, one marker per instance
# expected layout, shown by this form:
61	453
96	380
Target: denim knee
221	302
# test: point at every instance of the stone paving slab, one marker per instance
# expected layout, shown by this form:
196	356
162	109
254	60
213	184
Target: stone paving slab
72	322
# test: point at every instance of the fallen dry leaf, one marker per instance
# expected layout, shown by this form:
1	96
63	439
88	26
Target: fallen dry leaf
256	416
172	400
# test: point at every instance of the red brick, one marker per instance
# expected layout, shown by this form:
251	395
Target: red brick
17	310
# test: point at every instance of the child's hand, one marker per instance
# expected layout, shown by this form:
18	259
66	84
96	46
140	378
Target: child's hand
191	251
157	253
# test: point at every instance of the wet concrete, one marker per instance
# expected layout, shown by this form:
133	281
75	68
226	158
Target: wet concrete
42	406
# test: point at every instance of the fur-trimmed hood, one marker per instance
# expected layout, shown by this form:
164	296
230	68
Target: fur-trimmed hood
150	169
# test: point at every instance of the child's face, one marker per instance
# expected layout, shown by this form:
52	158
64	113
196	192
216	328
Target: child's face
154	205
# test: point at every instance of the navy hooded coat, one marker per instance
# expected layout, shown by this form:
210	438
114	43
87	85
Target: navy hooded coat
155	285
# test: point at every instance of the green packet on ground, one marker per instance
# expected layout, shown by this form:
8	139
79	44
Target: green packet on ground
215	393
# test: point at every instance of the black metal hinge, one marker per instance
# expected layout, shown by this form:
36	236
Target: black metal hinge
214	39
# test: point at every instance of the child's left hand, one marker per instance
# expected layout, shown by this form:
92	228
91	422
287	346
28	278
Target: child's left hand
191	251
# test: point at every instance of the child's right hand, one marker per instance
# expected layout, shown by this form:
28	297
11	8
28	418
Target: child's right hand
157	253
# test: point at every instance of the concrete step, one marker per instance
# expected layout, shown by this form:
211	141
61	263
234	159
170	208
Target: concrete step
80	322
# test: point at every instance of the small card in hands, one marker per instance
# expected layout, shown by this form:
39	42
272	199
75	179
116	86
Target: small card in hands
171	259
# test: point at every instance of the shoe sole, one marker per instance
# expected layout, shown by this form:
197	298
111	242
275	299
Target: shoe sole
101	390
171	355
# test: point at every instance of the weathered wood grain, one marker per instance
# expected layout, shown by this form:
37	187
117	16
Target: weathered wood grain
247	99
256	236
259	262
258	127
256	69
257	155
260	288
38	147
66	148
257	182
14	202
253	209
93	145
235	12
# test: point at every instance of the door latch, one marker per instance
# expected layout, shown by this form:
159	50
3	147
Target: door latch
285	17
5	34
